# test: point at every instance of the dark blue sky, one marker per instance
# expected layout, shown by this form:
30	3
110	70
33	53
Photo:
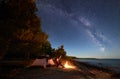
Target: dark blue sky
86	28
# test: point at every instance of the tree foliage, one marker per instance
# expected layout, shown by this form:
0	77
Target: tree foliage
20	30
60	52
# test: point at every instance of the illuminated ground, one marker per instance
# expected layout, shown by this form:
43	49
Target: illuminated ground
83	72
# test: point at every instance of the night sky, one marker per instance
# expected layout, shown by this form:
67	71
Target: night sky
86	28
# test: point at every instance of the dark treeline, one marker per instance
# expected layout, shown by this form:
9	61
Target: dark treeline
21	35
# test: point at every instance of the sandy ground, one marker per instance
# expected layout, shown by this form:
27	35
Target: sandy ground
82	71
55	73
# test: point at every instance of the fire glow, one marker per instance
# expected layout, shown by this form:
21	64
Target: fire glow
67	65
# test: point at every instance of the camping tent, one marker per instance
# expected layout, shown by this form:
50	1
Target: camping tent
42	62
39	62
50	62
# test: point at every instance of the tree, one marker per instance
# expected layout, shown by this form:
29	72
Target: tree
47	49
20	30
60	52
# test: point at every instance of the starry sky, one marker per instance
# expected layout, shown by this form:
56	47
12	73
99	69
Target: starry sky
86	28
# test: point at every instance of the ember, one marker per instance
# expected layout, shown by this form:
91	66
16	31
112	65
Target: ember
68	65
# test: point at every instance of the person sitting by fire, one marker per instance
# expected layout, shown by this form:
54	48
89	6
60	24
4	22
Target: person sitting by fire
58	62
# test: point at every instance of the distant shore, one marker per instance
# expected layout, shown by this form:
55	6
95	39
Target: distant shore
82	71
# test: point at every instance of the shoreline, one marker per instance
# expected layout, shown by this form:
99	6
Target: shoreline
114	74
82	71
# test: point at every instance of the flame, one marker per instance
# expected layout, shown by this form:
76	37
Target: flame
66	65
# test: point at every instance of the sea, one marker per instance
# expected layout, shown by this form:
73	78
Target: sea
112	64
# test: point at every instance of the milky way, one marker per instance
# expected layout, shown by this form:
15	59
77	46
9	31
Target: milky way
87	28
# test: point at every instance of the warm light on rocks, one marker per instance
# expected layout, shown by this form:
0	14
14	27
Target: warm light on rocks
68	65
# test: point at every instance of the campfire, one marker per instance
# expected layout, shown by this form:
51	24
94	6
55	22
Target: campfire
68	65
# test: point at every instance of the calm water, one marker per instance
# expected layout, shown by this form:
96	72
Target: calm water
113	64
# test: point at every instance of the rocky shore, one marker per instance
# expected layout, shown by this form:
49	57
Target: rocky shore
82	71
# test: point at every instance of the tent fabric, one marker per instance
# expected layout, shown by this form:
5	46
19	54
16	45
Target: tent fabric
42	62
39	62
51	62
